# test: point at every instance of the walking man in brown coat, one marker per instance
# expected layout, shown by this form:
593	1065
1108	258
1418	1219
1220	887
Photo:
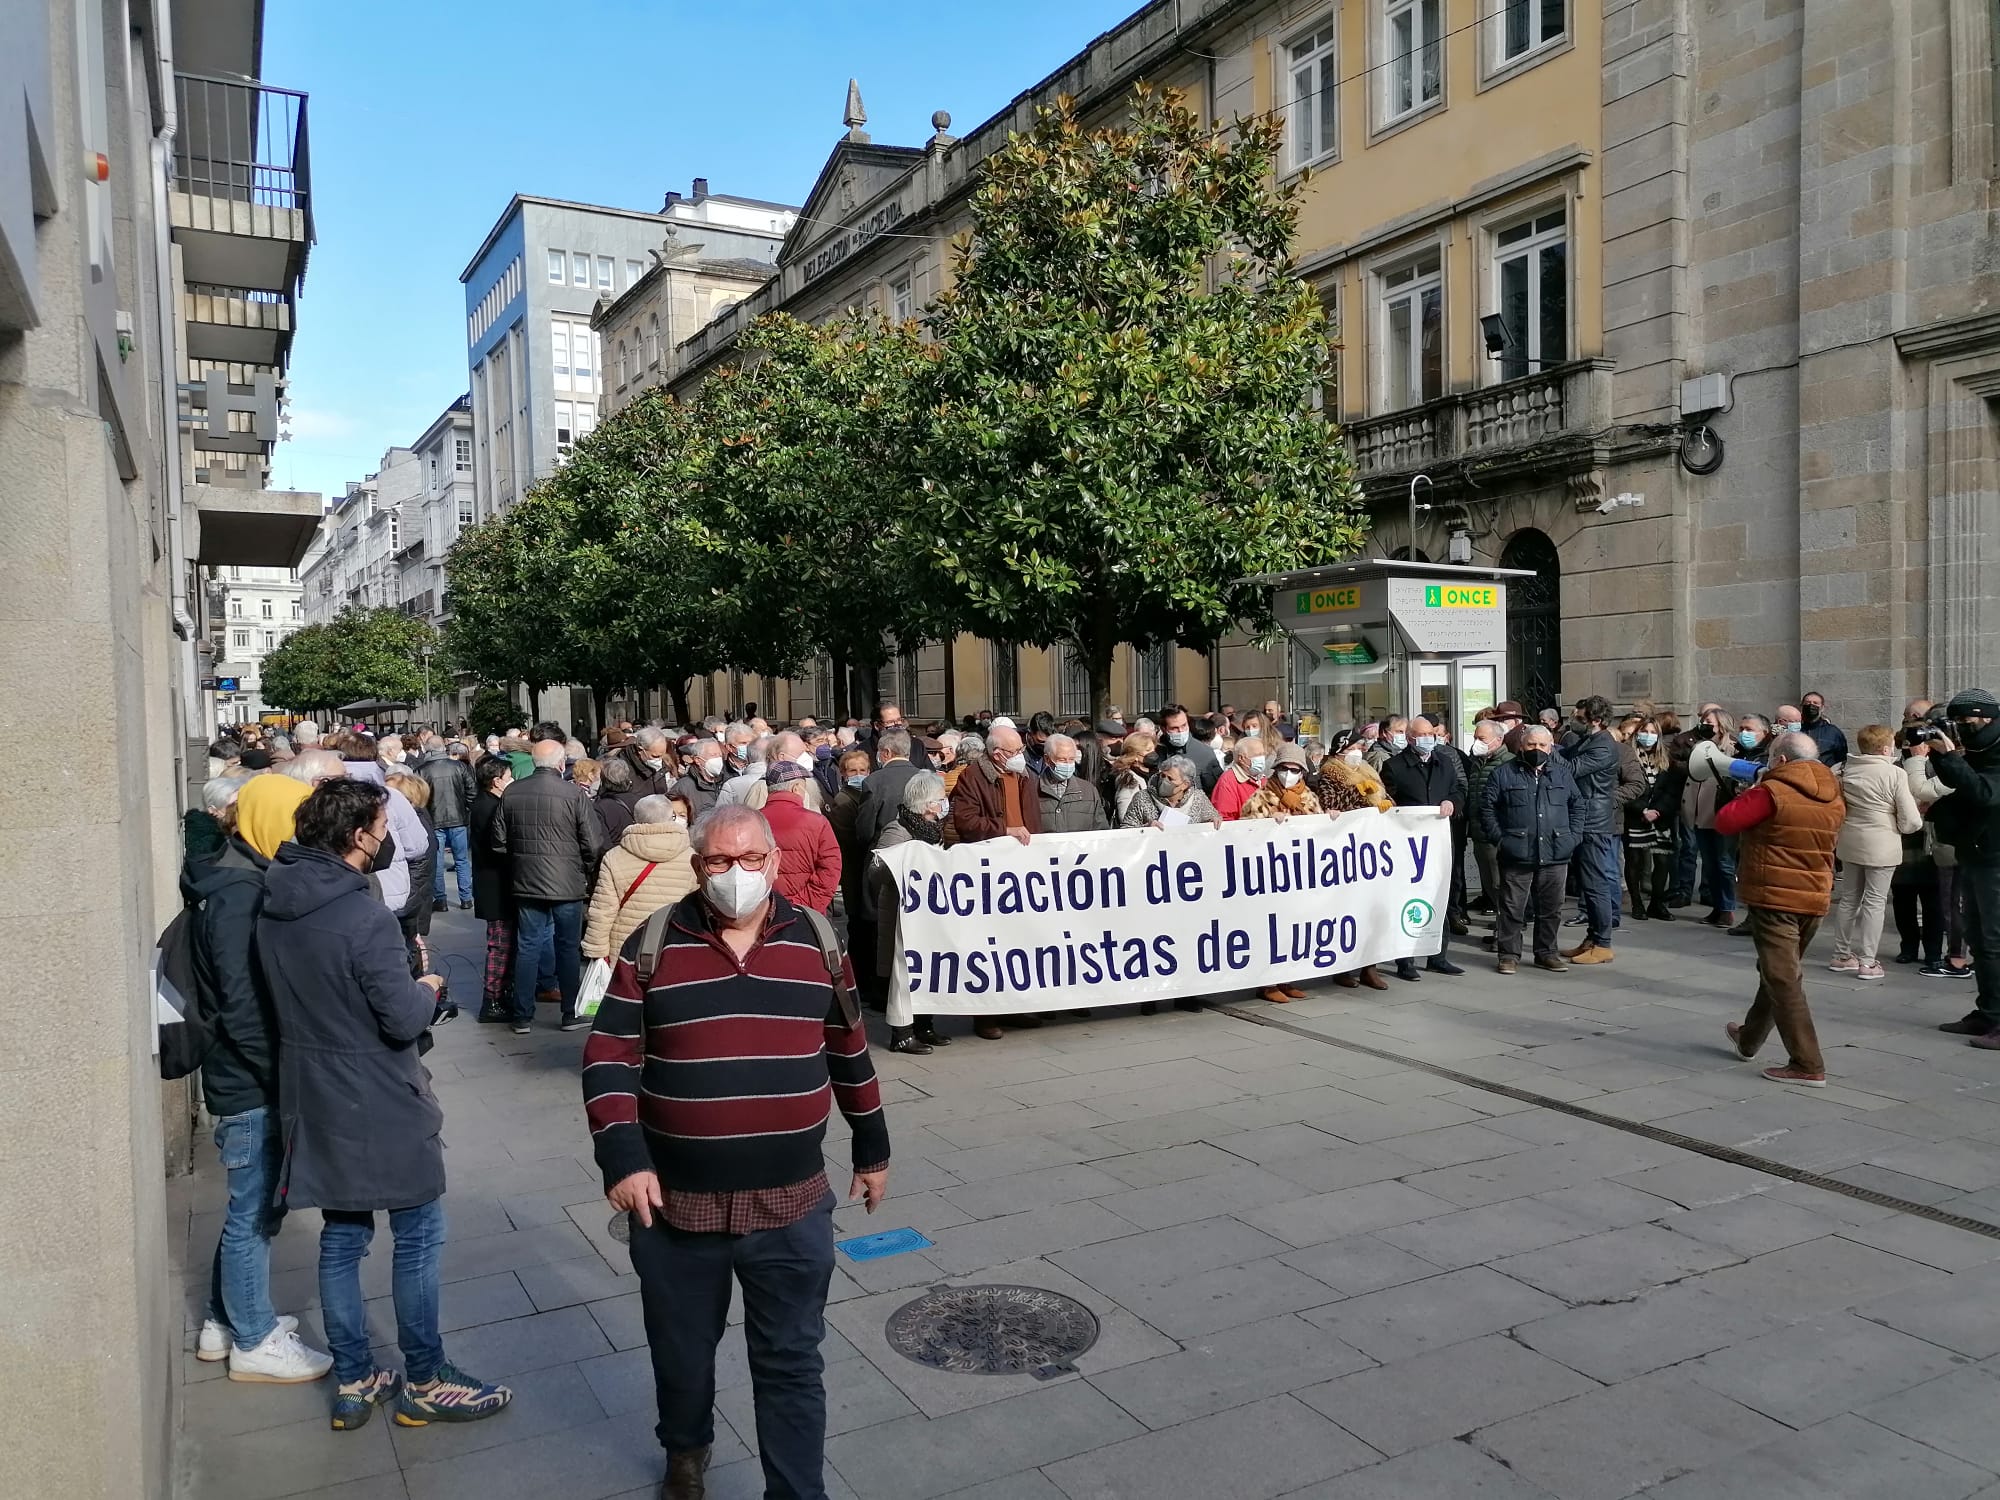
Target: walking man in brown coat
1787	823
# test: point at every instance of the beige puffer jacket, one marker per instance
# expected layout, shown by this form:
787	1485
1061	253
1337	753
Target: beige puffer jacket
663	844
1880	810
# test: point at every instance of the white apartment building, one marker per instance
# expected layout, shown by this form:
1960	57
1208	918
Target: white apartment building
252	611
352	564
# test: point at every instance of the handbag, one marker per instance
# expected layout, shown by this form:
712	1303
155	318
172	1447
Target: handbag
597	978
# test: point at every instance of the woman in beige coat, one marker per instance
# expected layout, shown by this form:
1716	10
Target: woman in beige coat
627	890
1880	810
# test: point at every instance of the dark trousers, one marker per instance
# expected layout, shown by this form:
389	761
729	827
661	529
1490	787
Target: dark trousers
1597	865
684	1292
1718	869
1684	863
1454	909
1523	886
1782	938
1649	872
1488	859
1979	890
1913	896
548	953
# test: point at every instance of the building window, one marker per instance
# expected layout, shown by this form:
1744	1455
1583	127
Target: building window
1413	56
267	608
1531	292
586	417
624	364
565	425
909	677
462	455
298	609
1154	671
1311	73
240	639
633	271
1412	334
582	355
604	273
558	266
1006	678
270	640
901	307
559	343
653	340
581	263
1524	25
235	609
1072	683
465	512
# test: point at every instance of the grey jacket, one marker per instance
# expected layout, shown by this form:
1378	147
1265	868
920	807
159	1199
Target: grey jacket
551	837
1071	806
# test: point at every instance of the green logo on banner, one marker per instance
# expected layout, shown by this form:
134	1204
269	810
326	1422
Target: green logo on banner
1417	914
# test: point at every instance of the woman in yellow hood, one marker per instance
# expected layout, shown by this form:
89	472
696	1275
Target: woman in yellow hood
266	808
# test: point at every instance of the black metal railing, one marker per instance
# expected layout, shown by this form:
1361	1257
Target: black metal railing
244	142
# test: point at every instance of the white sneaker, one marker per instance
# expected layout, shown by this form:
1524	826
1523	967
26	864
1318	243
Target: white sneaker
214	1342
280	1360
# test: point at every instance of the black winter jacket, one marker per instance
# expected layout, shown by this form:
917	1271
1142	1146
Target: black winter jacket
492	888
1412	781
240	1072
550	836
1603	781
1969	819
452	789
360	1121
882	799
1531	818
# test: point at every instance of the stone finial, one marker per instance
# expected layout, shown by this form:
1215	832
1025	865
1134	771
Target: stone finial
941	128
856	115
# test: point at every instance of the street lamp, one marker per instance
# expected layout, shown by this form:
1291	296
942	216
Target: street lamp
1500	342
426	652
1415	480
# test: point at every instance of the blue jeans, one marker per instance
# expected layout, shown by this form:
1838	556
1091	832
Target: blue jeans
419	1236
454	839
684	1293
548	937
1598	872
239	1287
1718	869
1682	892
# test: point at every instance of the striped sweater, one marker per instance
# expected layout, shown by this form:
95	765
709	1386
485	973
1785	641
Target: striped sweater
721	1075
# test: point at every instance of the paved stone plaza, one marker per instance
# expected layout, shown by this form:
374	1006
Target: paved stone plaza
1319	1273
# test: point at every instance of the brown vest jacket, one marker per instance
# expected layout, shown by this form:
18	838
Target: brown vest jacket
1786	862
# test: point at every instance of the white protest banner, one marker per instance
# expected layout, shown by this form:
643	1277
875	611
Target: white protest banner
1079	919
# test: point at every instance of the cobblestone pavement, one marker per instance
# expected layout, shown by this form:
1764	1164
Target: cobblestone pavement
1320	1272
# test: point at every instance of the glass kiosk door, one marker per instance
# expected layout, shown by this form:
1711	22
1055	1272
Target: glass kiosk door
1457	688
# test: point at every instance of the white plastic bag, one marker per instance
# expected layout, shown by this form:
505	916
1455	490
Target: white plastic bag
590	993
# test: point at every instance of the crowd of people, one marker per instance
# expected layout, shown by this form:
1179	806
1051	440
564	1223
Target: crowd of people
694	875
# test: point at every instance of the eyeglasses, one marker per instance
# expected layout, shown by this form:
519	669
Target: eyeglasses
715	864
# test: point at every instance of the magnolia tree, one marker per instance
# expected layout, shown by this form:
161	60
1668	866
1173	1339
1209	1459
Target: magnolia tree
1123	420
372	653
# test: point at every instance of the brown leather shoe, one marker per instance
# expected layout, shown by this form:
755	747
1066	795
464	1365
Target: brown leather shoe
1505	966
986	1029
1572	952
1275	995
1592	955
1292	992
1374	981
1347	981
687	1475
1553	965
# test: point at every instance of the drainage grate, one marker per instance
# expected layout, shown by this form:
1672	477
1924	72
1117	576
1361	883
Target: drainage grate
1633	1127
993	1330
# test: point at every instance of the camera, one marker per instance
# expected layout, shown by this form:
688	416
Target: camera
1928	730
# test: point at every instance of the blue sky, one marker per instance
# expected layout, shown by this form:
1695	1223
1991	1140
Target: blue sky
427	115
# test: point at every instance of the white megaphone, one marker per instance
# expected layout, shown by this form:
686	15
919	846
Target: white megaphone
1708	761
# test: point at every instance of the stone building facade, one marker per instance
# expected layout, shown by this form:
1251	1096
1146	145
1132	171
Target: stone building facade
1683	308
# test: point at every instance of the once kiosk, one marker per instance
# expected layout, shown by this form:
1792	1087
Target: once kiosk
1394	637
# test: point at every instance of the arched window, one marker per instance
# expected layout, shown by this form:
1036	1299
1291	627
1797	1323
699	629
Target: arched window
1534	621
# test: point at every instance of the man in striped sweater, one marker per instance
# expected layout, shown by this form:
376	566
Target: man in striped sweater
707	1090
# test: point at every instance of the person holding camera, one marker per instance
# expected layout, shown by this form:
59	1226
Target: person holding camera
1966	758
1918	891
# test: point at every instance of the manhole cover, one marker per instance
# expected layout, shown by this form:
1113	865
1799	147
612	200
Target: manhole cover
993	1330
621	1228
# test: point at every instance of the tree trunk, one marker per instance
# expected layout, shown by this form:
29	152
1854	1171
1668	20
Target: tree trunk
1101	641
677	689
950	680
868	681
600	700
836	663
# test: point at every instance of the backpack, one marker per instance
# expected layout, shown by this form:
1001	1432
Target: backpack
181	1018
653	937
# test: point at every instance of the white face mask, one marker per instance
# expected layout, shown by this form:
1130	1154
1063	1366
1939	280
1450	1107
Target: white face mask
1481	749
805	760
736	891
653	762
1017	762
712	767
1288	777
1352	757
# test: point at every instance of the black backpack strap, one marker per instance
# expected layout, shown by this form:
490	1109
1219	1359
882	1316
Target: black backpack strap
829	952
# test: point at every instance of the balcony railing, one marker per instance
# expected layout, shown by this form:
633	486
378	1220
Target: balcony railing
243	142
1553	416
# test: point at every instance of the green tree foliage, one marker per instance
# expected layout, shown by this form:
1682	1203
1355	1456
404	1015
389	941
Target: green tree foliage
812	476
1124	422
492	711
373	653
